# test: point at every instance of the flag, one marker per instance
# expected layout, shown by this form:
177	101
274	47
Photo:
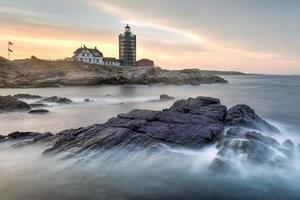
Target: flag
10	43
10	50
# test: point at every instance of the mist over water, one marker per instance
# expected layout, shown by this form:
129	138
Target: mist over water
275	98
118	174
171	173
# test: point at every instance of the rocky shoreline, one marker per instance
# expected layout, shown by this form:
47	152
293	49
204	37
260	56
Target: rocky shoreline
42	73
238	132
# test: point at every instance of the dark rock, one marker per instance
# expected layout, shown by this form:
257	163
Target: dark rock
193	104
38	111
36	105
17	135
55	99
10	104
1	138
253	147
244	116
27	96
191	123
289	144
219	166
165	97
148	115
87	100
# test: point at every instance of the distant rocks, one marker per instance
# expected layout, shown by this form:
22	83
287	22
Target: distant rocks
27	96
55	99
10	104
38	111
42	73
165	97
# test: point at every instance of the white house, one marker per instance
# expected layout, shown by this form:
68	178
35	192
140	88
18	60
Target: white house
88	55
94	56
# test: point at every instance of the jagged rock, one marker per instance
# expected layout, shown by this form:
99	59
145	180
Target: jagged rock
17	135
193	104
10	104
55	99
148	115
253	147
190	123
27	96
244	116
288	144
165	97
38	111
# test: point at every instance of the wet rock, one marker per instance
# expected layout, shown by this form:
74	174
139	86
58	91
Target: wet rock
55	99
193	104
245	146
1	138
219	166
289	144
38	111
148	115
10	104
190	123
17	135
244	116
36	105
165	97
27	96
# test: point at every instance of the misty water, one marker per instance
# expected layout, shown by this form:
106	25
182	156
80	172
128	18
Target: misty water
170	174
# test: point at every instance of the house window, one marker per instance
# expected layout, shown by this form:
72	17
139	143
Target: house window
97	60
83	54
90	60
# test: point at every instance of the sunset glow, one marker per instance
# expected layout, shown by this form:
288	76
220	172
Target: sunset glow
193	38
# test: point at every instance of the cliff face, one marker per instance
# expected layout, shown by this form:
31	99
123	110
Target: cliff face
41	73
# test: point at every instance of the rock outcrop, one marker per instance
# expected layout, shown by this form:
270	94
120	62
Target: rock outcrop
11	104
55	99
41	73
191	123
27	96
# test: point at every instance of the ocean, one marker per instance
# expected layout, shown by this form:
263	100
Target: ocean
25	174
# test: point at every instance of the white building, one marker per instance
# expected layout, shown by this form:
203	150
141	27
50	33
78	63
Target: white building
94	56
87	55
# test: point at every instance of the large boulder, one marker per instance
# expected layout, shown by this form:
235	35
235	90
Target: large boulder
9	104
244	116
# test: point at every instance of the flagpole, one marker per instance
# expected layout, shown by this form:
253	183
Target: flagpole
8	52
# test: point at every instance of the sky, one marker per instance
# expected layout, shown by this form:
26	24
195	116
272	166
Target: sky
254	36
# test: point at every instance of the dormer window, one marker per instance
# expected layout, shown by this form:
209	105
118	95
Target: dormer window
83	54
